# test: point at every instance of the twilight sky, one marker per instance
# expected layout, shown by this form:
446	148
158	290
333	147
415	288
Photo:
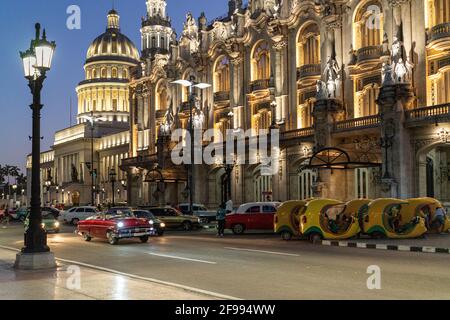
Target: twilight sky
17	19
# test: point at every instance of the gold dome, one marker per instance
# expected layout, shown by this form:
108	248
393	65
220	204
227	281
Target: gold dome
112	44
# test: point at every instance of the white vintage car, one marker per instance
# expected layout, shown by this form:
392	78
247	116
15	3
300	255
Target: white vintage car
77	214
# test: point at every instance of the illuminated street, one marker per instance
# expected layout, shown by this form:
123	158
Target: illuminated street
255	266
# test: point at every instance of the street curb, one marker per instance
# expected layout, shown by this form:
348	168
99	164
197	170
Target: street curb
389	247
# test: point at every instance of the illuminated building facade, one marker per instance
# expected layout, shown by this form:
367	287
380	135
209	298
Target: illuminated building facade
359	90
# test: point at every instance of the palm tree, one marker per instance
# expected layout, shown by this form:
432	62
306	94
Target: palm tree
10	172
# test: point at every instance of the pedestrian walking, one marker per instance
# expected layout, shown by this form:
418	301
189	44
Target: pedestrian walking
5	218
221	218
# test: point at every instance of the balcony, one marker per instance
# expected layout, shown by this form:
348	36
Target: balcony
439	36
308	70
368	53
298	133
221	96
358	123
425	115
258	85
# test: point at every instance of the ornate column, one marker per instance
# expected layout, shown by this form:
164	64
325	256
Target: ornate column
398	154
280	44
237	95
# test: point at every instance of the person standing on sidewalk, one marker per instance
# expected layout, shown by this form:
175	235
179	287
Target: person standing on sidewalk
221	217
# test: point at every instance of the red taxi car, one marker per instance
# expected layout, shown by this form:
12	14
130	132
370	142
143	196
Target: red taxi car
113	227
252	216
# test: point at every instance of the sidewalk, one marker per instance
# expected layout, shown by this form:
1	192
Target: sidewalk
432	243
94	285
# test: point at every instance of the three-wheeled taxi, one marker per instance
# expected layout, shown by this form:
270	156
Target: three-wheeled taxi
287	219
330	219
426	208
386	218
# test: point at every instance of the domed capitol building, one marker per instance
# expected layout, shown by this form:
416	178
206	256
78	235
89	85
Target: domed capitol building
360	91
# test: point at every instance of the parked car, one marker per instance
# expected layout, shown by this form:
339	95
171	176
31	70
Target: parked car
159	226
53	211
114	227
174	219
199	210
77	214
20	214
252	216
49	223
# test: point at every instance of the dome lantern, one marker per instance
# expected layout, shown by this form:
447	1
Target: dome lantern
113	20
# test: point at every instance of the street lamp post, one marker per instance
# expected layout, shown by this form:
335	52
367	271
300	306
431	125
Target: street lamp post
93	119
191	84
112	179
37	61
48	185
15	193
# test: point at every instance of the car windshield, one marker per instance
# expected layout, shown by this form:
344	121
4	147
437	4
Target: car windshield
119	215
47	215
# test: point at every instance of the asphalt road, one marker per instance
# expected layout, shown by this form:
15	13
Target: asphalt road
258	266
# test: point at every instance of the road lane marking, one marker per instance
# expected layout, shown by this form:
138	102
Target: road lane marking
133	276
180	258
264	251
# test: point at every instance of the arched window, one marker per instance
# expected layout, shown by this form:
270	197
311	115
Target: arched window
161	97
114	72
261	61
304	114
362	183
262	186
222	75
163	43
368	25
308	46
153	42
94	74
305	182
125	74
366	100
104	73
88	74
262	120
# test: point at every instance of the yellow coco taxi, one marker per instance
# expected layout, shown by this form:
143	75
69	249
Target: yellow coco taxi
383	218
287	219
426	208
330	219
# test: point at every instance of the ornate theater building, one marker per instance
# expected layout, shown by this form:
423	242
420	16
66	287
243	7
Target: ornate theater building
360	91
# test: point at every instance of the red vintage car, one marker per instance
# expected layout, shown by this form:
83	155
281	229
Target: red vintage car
252	216
113	227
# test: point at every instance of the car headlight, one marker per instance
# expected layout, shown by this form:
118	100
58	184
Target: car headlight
151	222
162	225
43	225
56	224
120	225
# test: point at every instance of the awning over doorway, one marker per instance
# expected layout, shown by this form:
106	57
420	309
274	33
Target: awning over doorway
339	159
